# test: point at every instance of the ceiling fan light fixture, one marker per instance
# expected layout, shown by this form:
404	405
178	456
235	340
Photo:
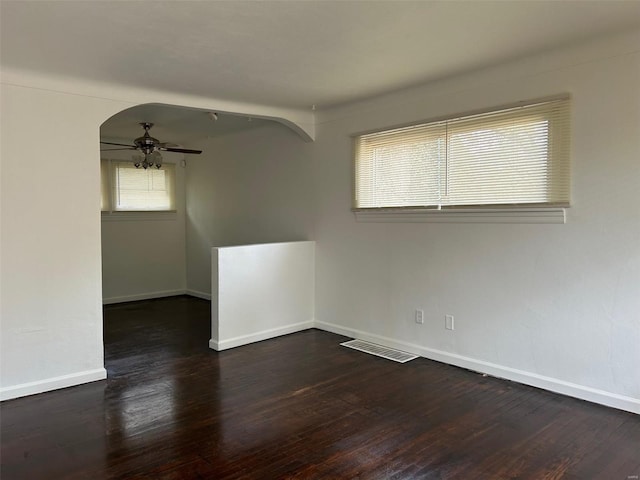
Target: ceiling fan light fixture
151	148
154	159
137	160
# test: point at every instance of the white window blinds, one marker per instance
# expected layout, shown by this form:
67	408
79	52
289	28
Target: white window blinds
126	188
516	156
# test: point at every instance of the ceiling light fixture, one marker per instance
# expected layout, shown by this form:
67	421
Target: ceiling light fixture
150	147
147	145
153	159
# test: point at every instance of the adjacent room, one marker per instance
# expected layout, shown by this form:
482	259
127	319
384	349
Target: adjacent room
201	201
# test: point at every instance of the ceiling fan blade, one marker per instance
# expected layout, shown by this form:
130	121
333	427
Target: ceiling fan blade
179	150
119	144
116	149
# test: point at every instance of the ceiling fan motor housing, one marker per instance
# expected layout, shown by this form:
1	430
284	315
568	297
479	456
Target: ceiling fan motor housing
146	144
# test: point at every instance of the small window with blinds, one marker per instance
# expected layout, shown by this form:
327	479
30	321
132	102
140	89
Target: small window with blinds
126	188
512	157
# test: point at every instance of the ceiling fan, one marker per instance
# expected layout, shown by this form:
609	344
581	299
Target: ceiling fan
150	147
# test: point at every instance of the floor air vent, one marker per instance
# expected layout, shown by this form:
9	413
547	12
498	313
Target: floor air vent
379	351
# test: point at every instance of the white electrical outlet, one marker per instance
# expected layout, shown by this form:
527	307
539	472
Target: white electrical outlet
419	316
448	322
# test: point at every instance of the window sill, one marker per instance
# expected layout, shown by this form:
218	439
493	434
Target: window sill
138	216
551	215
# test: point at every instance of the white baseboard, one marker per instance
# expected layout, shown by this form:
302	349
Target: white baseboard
259	336
48	384
198	294
540	381
142	296
582	392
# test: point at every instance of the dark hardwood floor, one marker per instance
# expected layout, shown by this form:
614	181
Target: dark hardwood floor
298	407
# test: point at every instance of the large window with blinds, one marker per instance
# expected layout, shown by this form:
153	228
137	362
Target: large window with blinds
126	188
509	157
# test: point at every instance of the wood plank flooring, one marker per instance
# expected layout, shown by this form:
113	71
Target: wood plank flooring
298	407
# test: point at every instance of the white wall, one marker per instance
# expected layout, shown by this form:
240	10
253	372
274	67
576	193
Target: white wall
51	305
260	292
50	279
250	187
556	306
144	254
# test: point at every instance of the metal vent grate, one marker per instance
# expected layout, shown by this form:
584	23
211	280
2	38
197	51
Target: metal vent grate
379	351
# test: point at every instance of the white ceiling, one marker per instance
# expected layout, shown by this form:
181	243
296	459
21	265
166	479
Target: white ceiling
283	53
173	124
291	53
